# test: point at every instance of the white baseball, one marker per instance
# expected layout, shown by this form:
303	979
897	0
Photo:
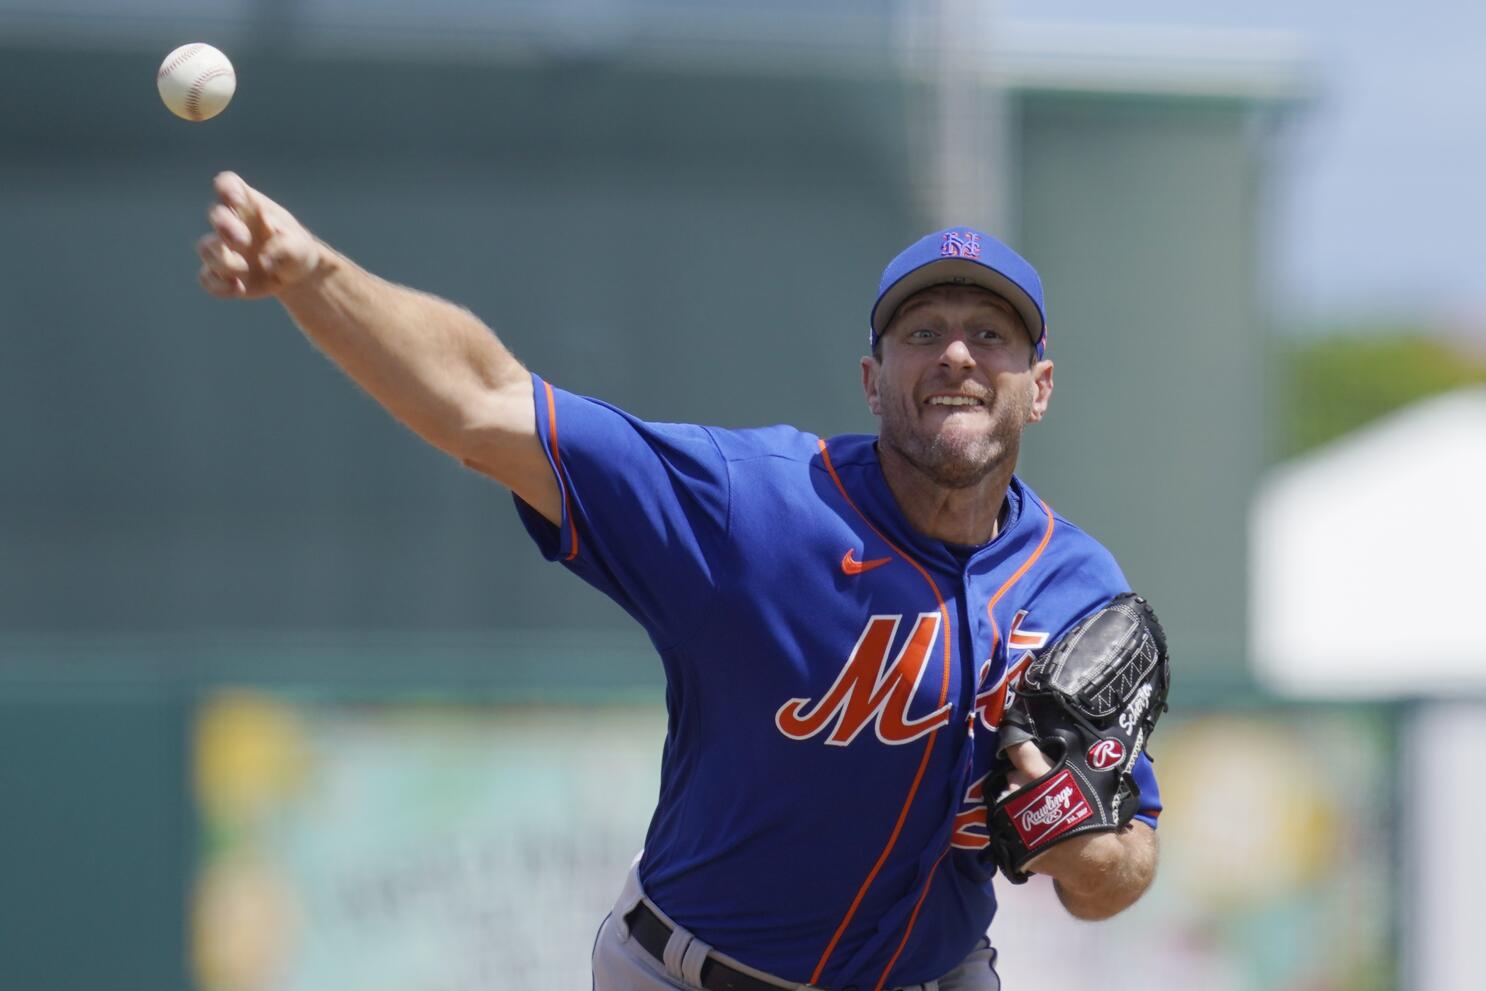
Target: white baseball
196	81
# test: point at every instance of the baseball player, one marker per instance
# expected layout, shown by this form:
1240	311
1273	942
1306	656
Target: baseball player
843	622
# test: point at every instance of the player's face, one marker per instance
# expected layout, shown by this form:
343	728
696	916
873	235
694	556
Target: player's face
957	381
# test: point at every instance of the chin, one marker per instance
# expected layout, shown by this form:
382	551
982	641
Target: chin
955	456
959	465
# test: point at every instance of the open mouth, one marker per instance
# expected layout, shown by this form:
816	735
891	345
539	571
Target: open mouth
955	401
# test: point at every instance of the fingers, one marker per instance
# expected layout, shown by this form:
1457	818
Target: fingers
244	201
255	247
220	258
222	288
225	251
232	190
230	227
224	272
1028	762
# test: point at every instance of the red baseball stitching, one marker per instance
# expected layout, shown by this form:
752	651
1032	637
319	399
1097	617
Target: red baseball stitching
193	96
178	61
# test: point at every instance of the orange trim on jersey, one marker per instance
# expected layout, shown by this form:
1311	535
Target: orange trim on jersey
928	746
557	464
1017	575
1047	535
995	638
912	919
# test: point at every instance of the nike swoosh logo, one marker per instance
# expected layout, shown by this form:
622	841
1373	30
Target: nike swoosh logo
851	566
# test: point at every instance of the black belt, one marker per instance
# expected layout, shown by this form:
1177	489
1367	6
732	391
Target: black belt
653	934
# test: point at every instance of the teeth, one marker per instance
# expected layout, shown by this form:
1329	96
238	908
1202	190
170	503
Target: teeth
954	401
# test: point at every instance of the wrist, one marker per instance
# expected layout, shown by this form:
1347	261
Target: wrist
324	262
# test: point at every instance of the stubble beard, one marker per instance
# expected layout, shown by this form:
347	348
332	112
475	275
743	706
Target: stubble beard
955	461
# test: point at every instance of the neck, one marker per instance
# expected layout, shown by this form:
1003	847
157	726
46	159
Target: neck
969	515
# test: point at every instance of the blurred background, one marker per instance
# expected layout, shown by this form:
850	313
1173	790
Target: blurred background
288	702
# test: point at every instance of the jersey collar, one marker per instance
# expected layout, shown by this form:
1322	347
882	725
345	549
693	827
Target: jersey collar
857	455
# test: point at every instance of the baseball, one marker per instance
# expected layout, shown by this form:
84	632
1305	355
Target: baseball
196	81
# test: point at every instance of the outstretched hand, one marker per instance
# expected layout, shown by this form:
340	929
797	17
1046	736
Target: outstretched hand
256	248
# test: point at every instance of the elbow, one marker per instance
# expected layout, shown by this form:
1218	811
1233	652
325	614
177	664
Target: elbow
1098	905
1113	878
486	424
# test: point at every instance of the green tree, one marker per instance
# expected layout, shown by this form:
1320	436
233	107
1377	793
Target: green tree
1337	383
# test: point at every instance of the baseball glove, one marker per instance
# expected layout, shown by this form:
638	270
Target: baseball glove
1089	702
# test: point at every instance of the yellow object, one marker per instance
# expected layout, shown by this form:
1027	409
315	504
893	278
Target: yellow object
250	754
1249	806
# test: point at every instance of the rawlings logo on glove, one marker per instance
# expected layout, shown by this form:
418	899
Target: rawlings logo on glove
1089	702
1105	754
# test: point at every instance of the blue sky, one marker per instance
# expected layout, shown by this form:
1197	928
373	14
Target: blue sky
1378	201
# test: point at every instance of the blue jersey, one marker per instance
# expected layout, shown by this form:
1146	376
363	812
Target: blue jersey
834	681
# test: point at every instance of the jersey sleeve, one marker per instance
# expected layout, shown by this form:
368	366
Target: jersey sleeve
1144	773
644	508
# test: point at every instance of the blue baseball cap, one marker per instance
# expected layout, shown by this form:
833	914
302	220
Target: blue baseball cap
961	256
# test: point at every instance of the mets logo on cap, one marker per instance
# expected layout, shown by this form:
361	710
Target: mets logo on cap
960	244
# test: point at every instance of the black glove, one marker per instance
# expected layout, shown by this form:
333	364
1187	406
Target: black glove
1089	702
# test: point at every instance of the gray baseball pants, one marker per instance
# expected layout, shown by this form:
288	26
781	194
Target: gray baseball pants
621	964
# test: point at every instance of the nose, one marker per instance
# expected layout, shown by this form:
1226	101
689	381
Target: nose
956	354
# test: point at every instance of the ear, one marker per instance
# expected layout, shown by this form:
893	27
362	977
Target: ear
1042	390
870	371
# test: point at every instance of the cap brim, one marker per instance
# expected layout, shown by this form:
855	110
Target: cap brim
957	272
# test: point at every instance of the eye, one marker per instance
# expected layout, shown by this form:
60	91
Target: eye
921	334
990	334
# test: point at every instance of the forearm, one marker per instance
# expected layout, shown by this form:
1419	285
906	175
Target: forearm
432	364
1102	874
